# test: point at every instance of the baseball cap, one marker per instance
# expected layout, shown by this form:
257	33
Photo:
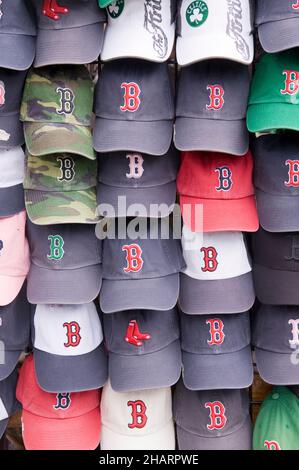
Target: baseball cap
276	267
278	25
57	111
12	163
57	421
137	420
275	340
11	89
69	34
276	426
17	35
65	264
212	100
212	419
140	29
216	351
137	341
276	177
8	402
14	332
60	189
211	29
68	338
141	272
134	107
14	256
273	99
217	278
144	182
222	186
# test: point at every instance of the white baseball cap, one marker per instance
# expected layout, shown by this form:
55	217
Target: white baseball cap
218	273
211	29
12	164
140	420
141	29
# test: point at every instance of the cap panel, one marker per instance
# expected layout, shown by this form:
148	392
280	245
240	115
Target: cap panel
278	251
279	11
14	249
17	18
11	89
8	403
12	164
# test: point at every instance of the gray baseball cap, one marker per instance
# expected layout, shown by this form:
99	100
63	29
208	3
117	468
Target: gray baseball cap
134	107
212	419
276	177
65	264
216	351
72	33
137	341
14	332
277	26
8	402
275	340
17	34
139	178
212	101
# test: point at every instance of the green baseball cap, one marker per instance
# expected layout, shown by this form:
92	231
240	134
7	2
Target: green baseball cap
104	3
274	95
57	111
60	189
277	424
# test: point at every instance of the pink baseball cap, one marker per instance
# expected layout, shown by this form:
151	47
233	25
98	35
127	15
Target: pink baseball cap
57	421
14	256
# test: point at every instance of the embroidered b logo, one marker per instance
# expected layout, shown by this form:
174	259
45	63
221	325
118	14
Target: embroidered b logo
139	418
56	247
135	166
291	82
72	333
295	5
217	415
293	173
66	101
2	93
216	331
63	401
133	257
272	445
224	178
210	259
131	97
67	166
216	97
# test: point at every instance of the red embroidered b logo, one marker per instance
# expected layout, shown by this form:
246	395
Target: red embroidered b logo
72	332
133	257
139	418
291	82
2	93
131	97
293	173
216	331
217	415
295	6
210	259
272	445
216	97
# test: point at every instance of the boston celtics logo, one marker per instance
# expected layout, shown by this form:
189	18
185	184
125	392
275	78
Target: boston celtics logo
115	9
197	13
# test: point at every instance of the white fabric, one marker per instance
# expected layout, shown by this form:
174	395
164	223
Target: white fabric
51	335
143	30
232	256
3	412
226	32
12	164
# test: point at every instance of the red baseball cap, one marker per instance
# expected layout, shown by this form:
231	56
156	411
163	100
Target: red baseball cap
222	185
57	421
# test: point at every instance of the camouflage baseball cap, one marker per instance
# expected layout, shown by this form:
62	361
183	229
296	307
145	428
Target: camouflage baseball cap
60	189
57	111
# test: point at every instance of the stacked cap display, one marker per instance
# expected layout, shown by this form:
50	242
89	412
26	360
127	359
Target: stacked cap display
134	108
68	34
8	402
140	420
216	351
217	193
65	264
212	419
217	277
17	34
12	166
137	341
133	183
57	421
211	29
212	101
140	29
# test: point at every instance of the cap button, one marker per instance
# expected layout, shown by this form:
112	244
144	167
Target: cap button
275	396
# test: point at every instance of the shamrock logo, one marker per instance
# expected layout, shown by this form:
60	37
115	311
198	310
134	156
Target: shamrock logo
115	9
197	13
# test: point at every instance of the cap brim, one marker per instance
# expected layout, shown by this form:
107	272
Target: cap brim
12	200
50	138
70	207
279	35
275	286
151	137
241	439
3	426
164	439
150	198
151	294
215	371
11	131
199	134
278	213
276	368
130	373
234	295
269	116
11	359
79	433
17	51
221	215
69	286
10	287
80	45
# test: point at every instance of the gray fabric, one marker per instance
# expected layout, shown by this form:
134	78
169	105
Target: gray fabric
11	200
8	397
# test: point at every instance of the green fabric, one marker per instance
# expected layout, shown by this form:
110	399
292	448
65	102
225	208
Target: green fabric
104	3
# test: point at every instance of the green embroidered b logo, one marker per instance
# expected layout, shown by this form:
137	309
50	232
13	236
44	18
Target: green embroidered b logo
56	247
197	13
115	9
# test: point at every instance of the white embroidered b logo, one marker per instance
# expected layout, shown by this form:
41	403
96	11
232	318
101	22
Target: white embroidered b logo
135	166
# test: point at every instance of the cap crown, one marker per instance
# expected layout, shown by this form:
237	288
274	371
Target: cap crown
278	11
16	18
276	250
8	403
12	167
14	249
11	87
